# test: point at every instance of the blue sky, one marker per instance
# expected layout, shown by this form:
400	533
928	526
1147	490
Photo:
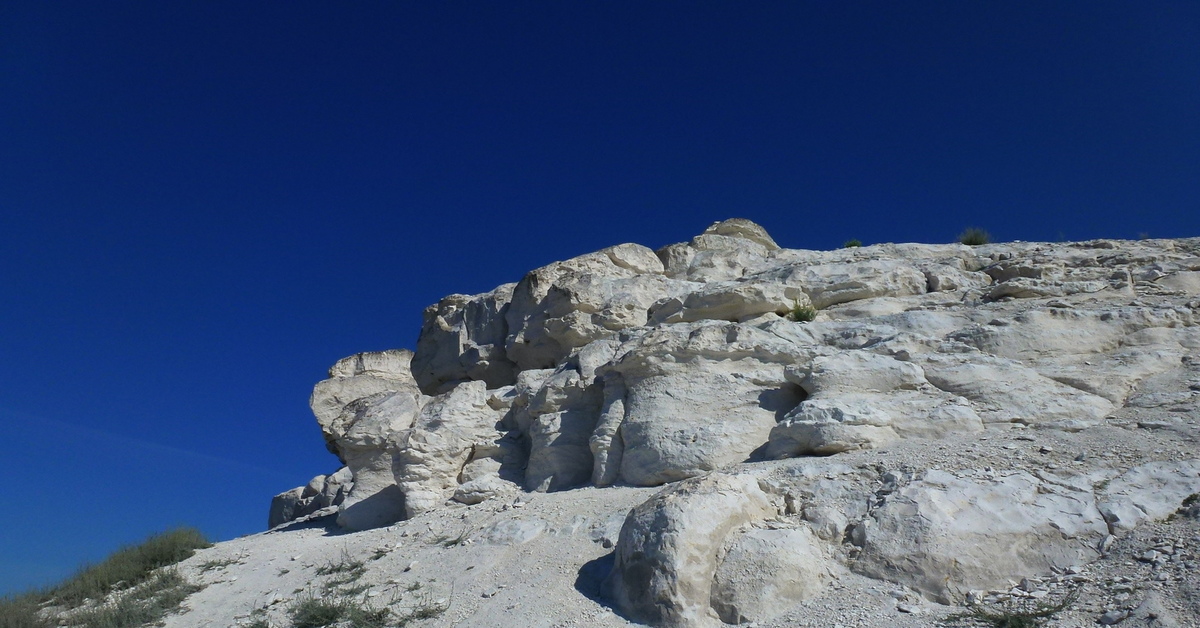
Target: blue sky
204	205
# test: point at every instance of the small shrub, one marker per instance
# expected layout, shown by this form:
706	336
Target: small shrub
314	612
452	541
347	564
1013	614
425	608
803	313
974	236
852	244
343	573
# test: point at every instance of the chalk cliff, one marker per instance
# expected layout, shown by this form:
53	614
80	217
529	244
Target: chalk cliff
660	437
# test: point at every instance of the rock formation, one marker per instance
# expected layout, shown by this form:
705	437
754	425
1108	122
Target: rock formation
893	437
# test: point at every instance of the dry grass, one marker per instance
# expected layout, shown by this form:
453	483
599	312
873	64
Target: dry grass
135	569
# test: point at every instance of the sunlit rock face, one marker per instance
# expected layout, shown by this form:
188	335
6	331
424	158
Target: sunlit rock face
884	425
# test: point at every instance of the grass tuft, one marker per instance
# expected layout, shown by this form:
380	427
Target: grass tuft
803	313
318	612
974	236
852	244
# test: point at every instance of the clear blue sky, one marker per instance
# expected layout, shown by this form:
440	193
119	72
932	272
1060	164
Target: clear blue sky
204	205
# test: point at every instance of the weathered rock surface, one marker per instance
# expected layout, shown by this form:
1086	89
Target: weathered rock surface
667	555
958	423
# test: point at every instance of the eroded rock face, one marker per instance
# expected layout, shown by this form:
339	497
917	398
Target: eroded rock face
568	304
353	378
694	398
940	425
463	339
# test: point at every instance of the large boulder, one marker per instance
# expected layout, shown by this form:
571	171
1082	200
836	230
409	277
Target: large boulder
353	378
323	491
727	250
667	554
1148	492
374	426
765	572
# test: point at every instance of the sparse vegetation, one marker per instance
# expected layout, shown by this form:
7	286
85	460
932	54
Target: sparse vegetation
148	591
974	236
344	572
145	604
802	313
209	565
1024	613
852	244
317	612
451	541
426	609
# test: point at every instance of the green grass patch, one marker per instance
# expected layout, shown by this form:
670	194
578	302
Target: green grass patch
145	604
129	566
125	569
803	313
21	612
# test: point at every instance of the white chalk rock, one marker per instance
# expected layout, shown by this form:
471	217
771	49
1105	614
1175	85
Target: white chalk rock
764	573
373	428
944	535
463	339
1149	492
696	397
568	304
862	400
730	301
353	378
667	553
430	456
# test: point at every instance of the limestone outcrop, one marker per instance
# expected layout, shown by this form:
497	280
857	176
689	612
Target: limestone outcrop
954	418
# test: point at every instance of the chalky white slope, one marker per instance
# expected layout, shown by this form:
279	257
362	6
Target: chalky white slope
645	437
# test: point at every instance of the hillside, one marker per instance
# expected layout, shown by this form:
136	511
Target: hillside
727	431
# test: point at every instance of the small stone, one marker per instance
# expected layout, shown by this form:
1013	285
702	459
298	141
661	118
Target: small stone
1113	617
907	608
410	566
